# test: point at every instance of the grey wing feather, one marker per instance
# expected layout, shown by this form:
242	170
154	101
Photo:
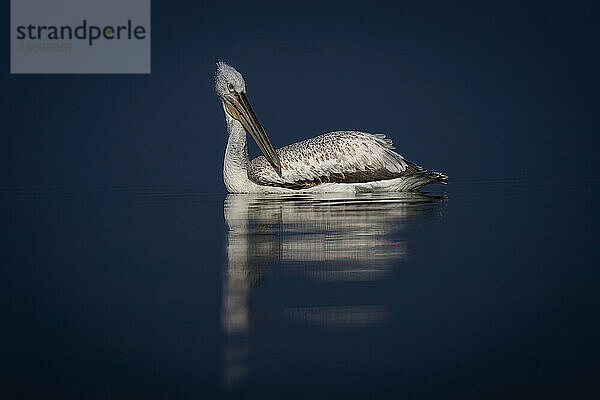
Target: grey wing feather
343	157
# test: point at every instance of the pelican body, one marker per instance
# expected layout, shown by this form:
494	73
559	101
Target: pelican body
343	161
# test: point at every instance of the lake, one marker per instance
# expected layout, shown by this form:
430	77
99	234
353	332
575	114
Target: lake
477	289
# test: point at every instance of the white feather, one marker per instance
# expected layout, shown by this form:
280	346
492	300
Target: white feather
342	152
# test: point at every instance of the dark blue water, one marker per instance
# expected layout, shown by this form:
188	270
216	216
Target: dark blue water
488	290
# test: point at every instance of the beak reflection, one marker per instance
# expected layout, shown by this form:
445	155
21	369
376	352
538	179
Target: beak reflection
238	107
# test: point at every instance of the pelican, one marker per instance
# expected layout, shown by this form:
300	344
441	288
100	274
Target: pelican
342	161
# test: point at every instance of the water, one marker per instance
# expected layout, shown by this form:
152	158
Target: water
489	290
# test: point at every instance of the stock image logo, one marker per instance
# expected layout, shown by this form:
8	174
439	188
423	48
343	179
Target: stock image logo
80	36
84	31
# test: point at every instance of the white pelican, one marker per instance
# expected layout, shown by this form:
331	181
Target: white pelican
344	161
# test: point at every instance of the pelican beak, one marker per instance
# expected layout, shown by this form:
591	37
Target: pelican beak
238	107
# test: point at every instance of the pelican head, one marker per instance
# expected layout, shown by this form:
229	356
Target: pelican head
231	89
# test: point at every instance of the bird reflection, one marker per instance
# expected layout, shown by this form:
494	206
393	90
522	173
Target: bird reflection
325	238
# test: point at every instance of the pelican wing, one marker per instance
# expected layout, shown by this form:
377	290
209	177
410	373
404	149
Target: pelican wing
341	157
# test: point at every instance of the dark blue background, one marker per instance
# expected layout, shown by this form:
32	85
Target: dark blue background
503	89
113	254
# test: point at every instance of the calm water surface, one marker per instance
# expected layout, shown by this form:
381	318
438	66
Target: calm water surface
490	291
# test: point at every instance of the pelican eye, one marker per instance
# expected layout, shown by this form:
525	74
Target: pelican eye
230	87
